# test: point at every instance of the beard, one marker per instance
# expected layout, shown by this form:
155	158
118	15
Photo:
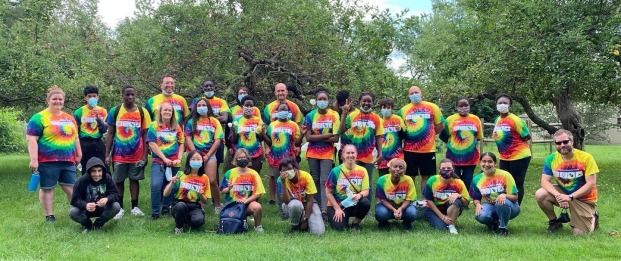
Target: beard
565	150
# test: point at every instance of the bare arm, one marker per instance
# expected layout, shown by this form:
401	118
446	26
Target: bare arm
33	151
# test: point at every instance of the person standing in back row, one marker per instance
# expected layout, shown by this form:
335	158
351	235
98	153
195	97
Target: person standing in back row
168	96
91	127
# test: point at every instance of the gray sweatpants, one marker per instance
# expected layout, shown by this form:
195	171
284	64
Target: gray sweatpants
320	170
295	208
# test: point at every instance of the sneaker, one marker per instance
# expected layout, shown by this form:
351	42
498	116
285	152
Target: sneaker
165	211
596	215
50	218
136	212
355	227
407	226
86	230
324	216
383	225
217	210
120	214
272	202
178	231
155	216
294	228
452	229
554	225
503	232
259	229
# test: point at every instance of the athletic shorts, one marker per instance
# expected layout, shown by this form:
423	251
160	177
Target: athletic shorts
423	164
127	170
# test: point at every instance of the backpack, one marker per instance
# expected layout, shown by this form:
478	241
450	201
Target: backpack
118	109
232	219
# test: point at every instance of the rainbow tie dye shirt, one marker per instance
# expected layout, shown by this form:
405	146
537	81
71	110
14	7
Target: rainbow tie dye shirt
128	143
177	101
341	178
318	123
486	189
305	186
283	136
420	120
508	134
392	146
270	112
243	186
208	129
395	194
439	192
463	133
87	121
247	135
571	175
167	139
361	130
188	187
57	136
237	111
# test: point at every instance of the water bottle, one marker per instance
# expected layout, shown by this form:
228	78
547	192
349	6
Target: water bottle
168	173
34	182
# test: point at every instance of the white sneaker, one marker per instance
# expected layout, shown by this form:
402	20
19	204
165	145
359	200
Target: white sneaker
178	231
452	229
120	214
258	229
217	210
137	212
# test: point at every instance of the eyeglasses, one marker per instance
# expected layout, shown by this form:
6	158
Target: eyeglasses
564	142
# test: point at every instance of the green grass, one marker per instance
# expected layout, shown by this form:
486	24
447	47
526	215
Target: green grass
25	235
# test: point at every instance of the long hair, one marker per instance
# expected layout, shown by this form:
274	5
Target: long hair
194	115
187	169
173	118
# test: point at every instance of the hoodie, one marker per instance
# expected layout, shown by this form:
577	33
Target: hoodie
86	190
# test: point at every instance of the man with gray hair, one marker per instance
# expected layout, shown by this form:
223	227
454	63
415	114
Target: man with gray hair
575	172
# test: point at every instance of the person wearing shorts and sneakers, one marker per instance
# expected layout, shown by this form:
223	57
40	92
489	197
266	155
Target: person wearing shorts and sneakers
423	120
126	147
575	172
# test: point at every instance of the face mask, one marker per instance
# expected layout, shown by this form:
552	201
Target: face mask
365	110
313	102
92	101
196	164
202	110
242	163
290	174
322	104
241	96
283	115
463	110
502	108
447	174
209	94
167	93
415	98
247	110
490	170
386	112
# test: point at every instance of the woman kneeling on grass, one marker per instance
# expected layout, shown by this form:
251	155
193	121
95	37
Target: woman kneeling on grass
190	188
495	195
394	193
446	197
242	184
347	189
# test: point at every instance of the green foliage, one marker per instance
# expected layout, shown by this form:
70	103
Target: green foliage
11	131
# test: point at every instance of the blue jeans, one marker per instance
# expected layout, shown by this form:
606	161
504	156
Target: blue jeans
436	221
158	183
369	167
383	214
502	214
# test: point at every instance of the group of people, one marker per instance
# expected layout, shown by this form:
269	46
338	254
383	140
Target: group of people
401	144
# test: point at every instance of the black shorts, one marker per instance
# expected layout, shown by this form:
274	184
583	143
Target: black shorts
420	163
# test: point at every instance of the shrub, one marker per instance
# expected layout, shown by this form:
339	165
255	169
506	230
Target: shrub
12	139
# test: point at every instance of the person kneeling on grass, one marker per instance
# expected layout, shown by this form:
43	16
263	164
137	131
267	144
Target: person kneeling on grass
242	184
446	197
299	197
94	195
190	188
347	189
394	193
494	194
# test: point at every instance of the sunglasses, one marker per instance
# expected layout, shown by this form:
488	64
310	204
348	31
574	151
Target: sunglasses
564	142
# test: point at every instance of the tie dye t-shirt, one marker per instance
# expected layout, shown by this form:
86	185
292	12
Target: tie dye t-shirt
188	187
283	136
439	192
395	194
420	120
247	135
392	146
87	121
508	134
237	111
178	102
128	143
305	186
217	105
244	185
463	133
487	189
57	136
338	181
270	112
571	175
208	130
361	130
167	140
318	123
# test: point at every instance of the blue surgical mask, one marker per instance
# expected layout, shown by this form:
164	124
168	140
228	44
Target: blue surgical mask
196	164
209	94
283	115
322	104
202	110
241	96
415	97
92	101
386	112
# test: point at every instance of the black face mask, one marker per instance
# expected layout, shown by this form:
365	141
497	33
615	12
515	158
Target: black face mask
243	162
447	174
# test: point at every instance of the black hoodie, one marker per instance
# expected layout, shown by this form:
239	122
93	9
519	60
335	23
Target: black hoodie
86	190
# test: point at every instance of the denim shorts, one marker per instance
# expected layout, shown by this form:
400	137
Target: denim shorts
62	172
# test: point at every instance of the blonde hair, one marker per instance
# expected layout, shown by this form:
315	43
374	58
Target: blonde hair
54	90
395	161
173	120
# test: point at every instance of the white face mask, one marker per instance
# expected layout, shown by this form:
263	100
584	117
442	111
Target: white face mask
502	108
290	174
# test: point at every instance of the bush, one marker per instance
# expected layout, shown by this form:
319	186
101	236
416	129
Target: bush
12	131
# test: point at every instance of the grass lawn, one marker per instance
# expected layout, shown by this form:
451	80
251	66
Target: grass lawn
25	235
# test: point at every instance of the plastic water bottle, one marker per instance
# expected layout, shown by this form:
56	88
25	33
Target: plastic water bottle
168	173
34	181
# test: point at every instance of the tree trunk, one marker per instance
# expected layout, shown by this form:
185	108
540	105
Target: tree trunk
569	117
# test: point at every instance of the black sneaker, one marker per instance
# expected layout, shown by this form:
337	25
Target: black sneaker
554	225
493	226
97	224
155	216
165	211
50	218
294	228
503	232
355	227
596	215
324	216
272	202
383	225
